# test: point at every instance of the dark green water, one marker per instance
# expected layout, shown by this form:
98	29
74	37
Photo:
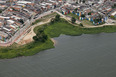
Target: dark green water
74	56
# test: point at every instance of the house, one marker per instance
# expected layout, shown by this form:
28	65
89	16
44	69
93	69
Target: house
10	21
113	14
3	36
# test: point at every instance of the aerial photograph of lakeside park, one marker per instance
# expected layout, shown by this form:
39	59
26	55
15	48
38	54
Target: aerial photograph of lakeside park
57	38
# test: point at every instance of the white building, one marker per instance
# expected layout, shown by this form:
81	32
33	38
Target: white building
74	1
114	13
23	2
2	1
101	1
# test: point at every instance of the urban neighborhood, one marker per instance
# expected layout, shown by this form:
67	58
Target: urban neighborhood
57	38
17	16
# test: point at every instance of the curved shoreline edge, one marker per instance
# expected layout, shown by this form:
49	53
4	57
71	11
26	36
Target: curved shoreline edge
62	27
54	41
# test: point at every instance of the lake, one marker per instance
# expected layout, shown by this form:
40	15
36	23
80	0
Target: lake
88	55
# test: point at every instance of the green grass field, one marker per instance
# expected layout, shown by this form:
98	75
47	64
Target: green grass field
63	27
45	18
86	22
51	30
25	50
73	15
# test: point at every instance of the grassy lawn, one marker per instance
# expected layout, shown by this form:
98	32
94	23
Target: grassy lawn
86	22
45	18
63	27
50	15
73	15
51	30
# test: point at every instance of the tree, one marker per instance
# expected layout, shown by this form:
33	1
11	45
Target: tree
114	6
92	3
45	37
112	17
0	11
75	9
76	2
82	15
40	36
52	21
21	21
83	1
57	18
89	13
81	24
73	20
35	38
96	20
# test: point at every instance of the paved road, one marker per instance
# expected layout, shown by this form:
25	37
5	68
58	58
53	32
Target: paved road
21	33
23	30
32	30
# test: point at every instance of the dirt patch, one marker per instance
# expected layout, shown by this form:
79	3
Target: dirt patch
28	38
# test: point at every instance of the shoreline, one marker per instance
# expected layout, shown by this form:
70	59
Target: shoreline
55	30
54	41
26	39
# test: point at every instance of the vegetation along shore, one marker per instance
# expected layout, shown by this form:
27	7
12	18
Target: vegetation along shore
44	33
